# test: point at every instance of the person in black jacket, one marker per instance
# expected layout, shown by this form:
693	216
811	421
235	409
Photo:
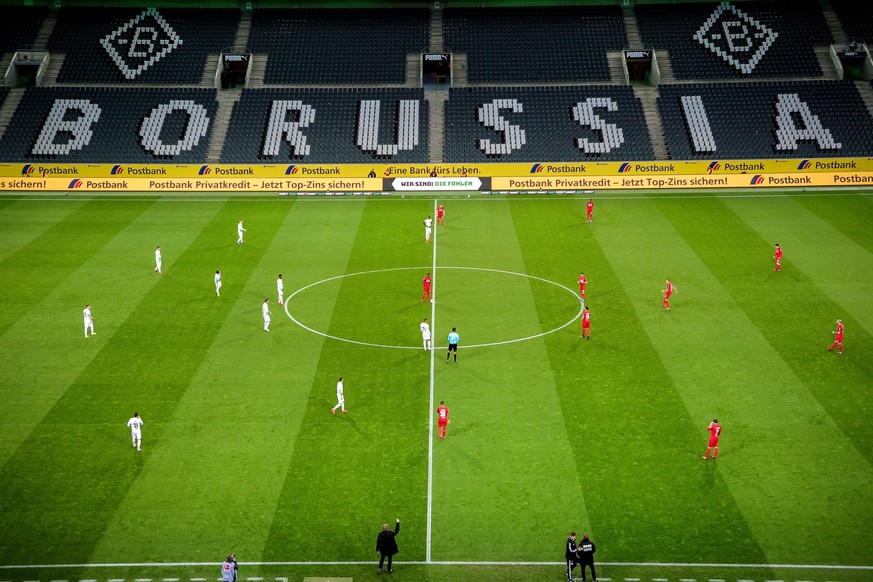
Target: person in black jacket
386	545
570	555
585	551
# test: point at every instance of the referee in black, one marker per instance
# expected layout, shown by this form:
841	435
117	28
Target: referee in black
585	551
570	554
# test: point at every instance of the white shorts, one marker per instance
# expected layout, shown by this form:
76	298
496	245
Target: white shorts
267	319
426	232
425	337
136	435
218	285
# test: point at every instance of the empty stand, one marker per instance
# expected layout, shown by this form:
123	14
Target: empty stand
765	120
338	46
22	25
328	126
133	125
856	18
535	45
746	40
529	124
154	46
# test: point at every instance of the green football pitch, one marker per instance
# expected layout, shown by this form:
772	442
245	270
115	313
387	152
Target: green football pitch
550	432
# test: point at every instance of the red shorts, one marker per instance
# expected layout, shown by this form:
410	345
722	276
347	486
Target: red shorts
586	326
713	442
839	338
443	422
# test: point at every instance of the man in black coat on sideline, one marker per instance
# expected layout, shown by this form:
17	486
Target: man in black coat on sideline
386	545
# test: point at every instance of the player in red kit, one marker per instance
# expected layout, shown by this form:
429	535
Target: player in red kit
589	210
582	282
838	337
714	429
586	324
441	215
667	292
426	284
777	256
442	419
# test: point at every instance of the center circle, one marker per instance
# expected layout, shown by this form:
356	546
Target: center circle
439	270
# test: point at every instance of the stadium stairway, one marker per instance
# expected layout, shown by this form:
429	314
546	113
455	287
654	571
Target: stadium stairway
828	71
665	66
437	40
413	69
259	69
436	123
226	100
46	29
833	22
616	67
459	70
864	88
634	40
241	40
56	61
209	69
648	96
9	106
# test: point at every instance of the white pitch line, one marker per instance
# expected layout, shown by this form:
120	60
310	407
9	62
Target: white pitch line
115	580
434	562
170	579
659	580
254	579
429	528
198	579
59	581
467	347
687	580
631	580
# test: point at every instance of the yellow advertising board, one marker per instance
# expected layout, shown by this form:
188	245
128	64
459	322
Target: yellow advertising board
114	184
651	182
373	171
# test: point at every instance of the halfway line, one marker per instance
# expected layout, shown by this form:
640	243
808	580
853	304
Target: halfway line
430	410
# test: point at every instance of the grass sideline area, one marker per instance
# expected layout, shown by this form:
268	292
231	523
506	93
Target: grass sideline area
548	434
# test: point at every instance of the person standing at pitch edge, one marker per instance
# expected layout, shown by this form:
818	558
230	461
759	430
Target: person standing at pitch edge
454	338
585	554
386	545
570	555
229	569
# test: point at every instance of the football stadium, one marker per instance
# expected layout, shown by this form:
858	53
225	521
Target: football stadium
446	282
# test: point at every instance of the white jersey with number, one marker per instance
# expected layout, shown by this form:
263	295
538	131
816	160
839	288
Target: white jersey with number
265	311
425	330
217	280
428	222
86	314
280	286
158	256
339	391
135	424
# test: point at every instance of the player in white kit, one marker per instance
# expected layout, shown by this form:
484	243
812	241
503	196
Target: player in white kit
218	283
89	321
340	399
280	289
135	424
158	260
425	334
265	311
239	233
428	223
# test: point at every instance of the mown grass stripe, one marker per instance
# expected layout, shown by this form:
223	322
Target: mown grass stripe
264	379
64	506
378	450
508	446
45	350
41	265
632	436
741	377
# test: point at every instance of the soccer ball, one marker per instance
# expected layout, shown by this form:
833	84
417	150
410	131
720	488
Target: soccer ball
431	300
